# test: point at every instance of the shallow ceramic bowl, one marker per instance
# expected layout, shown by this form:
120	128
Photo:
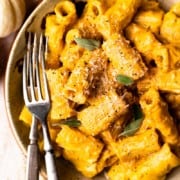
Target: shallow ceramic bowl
14	97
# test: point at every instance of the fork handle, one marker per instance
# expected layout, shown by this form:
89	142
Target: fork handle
32	171
50	166
49	155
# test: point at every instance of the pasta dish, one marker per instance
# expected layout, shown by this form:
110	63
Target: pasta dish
113	69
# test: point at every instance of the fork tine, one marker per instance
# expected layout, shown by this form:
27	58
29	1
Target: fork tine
42	58
32	61
25	78
29	51
38	70
26	64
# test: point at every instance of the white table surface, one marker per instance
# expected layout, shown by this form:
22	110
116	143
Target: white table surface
12	160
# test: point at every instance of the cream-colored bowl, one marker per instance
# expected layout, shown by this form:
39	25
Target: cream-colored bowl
13	90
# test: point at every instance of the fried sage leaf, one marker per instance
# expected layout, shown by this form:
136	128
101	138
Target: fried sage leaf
89	44
125	80
72	122
134	125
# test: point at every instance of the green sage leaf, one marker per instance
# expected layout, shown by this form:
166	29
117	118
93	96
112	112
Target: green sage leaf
72	122
89	44
131	128
125	80
134	125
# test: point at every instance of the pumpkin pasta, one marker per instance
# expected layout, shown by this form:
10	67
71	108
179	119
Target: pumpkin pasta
113	73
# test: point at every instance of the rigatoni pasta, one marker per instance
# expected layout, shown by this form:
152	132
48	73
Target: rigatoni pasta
57	25
149	46
98	117
126	59
154	167
171	19
74	142
157	115
137	146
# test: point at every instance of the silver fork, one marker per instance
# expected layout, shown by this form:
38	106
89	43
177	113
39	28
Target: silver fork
36	95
